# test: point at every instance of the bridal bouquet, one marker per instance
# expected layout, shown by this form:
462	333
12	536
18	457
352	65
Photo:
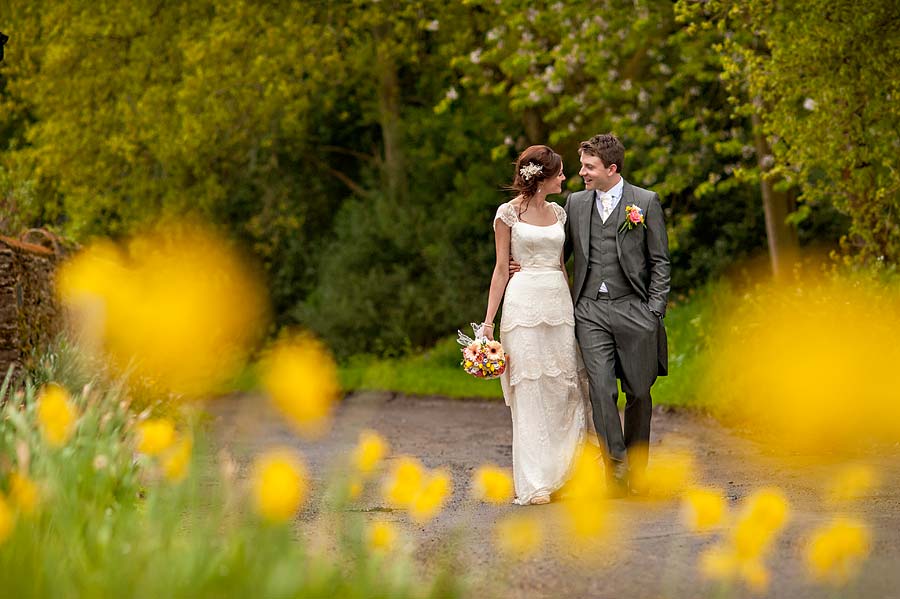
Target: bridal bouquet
482	357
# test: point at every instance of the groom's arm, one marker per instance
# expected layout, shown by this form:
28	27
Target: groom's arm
567	246
658	252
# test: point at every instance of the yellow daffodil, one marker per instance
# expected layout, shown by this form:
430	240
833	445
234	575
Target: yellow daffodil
177	459
518	536
740	557
381	536
851	483
820	336
763	515
586	520
723	564
587	480
404	482
300	377
155	436
703	509
430	499
56	415
279	485
837	549
492	484
584	497
668	475
176	306
23	493
370	451
767	508
7	520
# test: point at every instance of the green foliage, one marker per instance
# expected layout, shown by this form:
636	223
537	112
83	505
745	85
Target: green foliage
358	148
433	372
822	76
690	326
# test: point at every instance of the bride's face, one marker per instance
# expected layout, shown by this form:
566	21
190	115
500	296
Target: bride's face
554	184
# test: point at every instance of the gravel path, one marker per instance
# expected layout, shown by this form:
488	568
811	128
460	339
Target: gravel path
650	556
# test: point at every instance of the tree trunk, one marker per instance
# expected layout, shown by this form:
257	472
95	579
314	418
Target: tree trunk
393	166
535	128
782	237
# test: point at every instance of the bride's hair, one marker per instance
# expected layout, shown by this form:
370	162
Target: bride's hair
535	165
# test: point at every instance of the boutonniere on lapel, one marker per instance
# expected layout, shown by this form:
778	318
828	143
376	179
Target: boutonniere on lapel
634	216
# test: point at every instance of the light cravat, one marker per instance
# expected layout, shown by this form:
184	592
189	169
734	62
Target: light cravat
605	205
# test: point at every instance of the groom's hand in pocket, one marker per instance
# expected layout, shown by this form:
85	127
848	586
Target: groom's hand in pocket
514	267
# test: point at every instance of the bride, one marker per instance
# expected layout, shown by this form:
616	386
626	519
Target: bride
544	384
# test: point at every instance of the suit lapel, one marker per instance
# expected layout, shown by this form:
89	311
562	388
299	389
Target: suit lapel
627	199
584	224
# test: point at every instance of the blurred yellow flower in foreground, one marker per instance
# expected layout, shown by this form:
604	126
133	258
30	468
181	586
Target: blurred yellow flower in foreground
354	488
740	557
177	459
722	563
668	475
432	496
178	306
761	519
836	550
300	377
851	483
841	338
6	519
492	484
370	451
703	509
56	415
584	497
518	535
279	485
404	481
23	492
381	536
410	485
155	436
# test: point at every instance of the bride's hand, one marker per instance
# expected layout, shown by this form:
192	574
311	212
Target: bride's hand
486	330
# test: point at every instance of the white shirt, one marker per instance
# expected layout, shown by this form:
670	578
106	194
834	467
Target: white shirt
616	193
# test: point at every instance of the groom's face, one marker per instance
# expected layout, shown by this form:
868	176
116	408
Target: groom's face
596	175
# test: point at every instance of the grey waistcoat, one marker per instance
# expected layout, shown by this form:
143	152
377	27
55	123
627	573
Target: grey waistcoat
603	262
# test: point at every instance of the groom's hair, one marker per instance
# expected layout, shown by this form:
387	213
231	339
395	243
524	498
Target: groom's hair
607	148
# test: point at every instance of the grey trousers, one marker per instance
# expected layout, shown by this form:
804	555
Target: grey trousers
618	339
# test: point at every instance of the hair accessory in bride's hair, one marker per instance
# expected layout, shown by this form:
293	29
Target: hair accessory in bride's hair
530	170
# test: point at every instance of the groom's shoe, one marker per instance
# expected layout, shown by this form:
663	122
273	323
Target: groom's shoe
616	480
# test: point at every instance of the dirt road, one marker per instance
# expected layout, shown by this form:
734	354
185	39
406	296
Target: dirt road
651	556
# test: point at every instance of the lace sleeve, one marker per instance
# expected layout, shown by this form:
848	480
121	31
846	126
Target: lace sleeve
507	214
560	213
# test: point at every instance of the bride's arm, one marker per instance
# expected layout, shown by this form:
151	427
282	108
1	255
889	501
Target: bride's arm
562	267
500	277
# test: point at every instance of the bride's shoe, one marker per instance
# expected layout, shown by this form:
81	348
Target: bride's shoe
540	500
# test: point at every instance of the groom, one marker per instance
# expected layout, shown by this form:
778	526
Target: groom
621	284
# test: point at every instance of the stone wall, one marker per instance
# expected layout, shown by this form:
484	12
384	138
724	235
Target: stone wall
30	315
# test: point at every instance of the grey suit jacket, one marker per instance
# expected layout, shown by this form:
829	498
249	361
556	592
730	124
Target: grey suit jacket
643	252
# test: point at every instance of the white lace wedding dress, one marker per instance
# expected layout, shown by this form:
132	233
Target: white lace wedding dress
544	384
